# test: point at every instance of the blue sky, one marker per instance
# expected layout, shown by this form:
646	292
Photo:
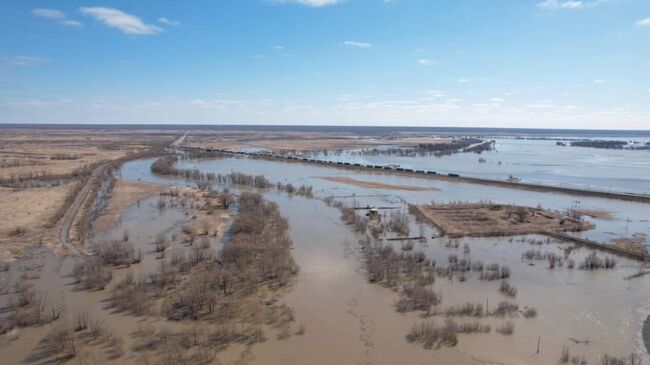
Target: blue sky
488	63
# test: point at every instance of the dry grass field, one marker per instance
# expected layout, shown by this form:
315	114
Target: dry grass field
43	170
26	217
302	141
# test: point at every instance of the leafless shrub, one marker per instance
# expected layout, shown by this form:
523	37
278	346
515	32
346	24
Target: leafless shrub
507	289
505	309
429	335
81	319
116	253
593	262
565	355
96	327
468	309
506	329
633	359
571	263
530	312
131	295
90	273
398	222
495	272
417	297
348	215
361	225
61	340
477	266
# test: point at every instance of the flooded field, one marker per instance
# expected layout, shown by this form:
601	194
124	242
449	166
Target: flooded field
587	312
628	217
533	161
592	312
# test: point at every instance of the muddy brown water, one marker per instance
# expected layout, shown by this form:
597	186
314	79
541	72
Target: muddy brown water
348	320
576	307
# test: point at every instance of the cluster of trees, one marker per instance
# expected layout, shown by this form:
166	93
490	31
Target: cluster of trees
413	275
435	149
567	358
430	335
101	192
617	145
593	262
29	307
66	339
507	289
166	166
194	345
195	282
398	222
91	273
495	272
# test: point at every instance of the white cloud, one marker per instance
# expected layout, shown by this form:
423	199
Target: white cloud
356	44
311	3
56	15
568	4
572	5
27	61
643	23
426	62
48	13
435	94
71	23
124	22
168	21
464	80
598	81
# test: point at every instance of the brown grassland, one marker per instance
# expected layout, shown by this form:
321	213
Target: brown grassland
43	170
301	141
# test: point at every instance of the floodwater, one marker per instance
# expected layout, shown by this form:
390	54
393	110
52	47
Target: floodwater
592	312
533	161
348	320
629	217
54	280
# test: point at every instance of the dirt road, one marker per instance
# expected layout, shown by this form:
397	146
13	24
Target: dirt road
73	210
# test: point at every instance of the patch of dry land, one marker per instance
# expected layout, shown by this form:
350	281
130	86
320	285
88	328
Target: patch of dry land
374	185
43	171
27	217
595	213
286	141
37	153
484	220
125	193
636	243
